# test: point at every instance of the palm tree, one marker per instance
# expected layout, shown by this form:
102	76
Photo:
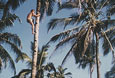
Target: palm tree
41	59
12	40
6	20
89	29
57	73
43	7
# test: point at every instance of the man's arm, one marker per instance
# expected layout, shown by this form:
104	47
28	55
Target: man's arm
36	15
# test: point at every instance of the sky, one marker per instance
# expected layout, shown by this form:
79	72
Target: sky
23	30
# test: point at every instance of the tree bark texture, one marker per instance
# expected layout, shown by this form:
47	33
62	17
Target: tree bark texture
36	42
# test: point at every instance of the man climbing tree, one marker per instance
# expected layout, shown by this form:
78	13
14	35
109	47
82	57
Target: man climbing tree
30	20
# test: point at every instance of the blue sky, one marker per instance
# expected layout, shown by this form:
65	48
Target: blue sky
23	30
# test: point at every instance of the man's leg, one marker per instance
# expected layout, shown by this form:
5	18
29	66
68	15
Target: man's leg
32	26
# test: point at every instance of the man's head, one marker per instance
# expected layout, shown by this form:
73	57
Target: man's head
32	10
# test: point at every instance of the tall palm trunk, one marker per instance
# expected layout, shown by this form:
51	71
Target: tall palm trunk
36	36
90	71
97	55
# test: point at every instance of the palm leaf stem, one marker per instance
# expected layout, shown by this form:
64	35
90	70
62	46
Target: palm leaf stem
40	61
73	46
102	6
113	52
108	30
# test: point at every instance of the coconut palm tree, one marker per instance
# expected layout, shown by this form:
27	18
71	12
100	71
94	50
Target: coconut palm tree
12	40
41	59
7	18
42	7
57	73
88	30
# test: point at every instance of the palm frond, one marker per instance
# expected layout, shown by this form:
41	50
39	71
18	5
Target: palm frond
68	5
6	58
73	19
65	40
110	34
46	7
108	23
111	73
22	73
60	22
45	48
12	4
87	40
8	21
77	50
78	18
50	67
75	44
25	57
110	29
111	10
50	7
69	73
63	35
13	46
41	59
11	37
59	2
109	43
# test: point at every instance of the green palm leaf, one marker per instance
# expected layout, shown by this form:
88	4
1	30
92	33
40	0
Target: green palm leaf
108	42
63	34
25	57
11	37
63	21
73	19
73	46
11	4
22	73
65	40
68	5
111	10
111	73
13	47
14	4
108	23
8	21
87	40
46	7
6	57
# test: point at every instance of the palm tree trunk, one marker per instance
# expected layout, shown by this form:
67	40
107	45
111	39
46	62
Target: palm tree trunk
90	71
36	35
97	55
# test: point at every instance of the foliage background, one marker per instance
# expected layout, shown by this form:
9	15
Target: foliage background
24	32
